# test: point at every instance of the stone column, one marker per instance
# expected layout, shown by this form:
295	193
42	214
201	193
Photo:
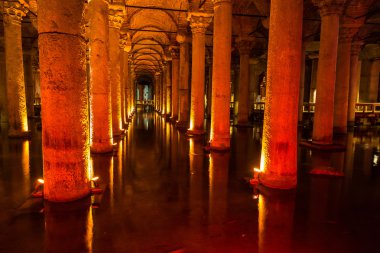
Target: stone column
13	12
168	91
354	81
324	108
244	45
209	86
64	94
129	88
374	81
347	31
221	70
302	85
199	22
163	89
183	86
126	45
157	84
175	83
116	16
313	81
279	144
100	90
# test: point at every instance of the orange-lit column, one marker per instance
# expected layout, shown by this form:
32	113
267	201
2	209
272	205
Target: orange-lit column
100	90
175	81
163	89
65	134
126	45
279	145
168	90
347	31
116	15
354	80
244	45
199	22
183	85
129	88
221	69
326	73
13	12
157	84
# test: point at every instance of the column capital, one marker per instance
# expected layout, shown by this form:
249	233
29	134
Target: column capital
356	47
222	1
182	36
116	16
126	42
199	21
174	51
244	45
329	7
14	11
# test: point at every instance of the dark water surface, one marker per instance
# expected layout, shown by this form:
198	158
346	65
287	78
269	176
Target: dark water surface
163	193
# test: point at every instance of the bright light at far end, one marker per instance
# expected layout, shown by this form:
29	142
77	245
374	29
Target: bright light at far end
41	181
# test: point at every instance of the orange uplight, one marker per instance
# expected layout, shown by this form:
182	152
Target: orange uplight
41	181
95	179
257	170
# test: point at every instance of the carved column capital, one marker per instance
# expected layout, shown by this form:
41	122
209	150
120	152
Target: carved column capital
174	51
244	45
182	36
329	7
222	1
126	42
116	16
13	12
199	21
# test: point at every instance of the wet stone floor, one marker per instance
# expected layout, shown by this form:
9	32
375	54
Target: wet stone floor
163	193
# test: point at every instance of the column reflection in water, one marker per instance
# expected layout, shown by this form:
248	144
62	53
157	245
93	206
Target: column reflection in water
218	189
68	226
276	213
103	168
26	167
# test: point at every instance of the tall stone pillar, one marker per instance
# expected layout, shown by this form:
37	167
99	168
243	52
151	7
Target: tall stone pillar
157	85
168	90
279	148
13	12
126	46
302	85
221	71
374	81
65	132
244	46
313	81
100	90
163	89
209	86
116	15
354	81
129	88
347	31
330	12
183	85
199	22
175	82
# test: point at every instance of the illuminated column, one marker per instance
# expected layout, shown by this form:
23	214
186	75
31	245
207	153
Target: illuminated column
374	81
100	90
183	85
279	148
129	88
126	45
64	94
157	84
13	12
175	82
302	85
347	31
163	89
324	108
199	22
221	69
354	80
116	15
244	45
168	91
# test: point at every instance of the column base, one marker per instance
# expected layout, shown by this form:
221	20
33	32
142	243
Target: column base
195	132
173	119
59	198
118	133
182	124
243	125
19	134
101	148
322	146
220	145
340	130
278	182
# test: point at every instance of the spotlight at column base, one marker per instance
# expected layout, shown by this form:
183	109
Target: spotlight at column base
19	134
99	148
57	197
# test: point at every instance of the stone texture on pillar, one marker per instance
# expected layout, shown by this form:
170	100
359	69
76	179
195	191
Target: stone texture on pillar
115	21
64	94
220	104
279	145
244	46
157	85
199	22
126	45
168	90
163	89
13	12
302	85
324	108
347	31
175	83
354	80
183	86
100	90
